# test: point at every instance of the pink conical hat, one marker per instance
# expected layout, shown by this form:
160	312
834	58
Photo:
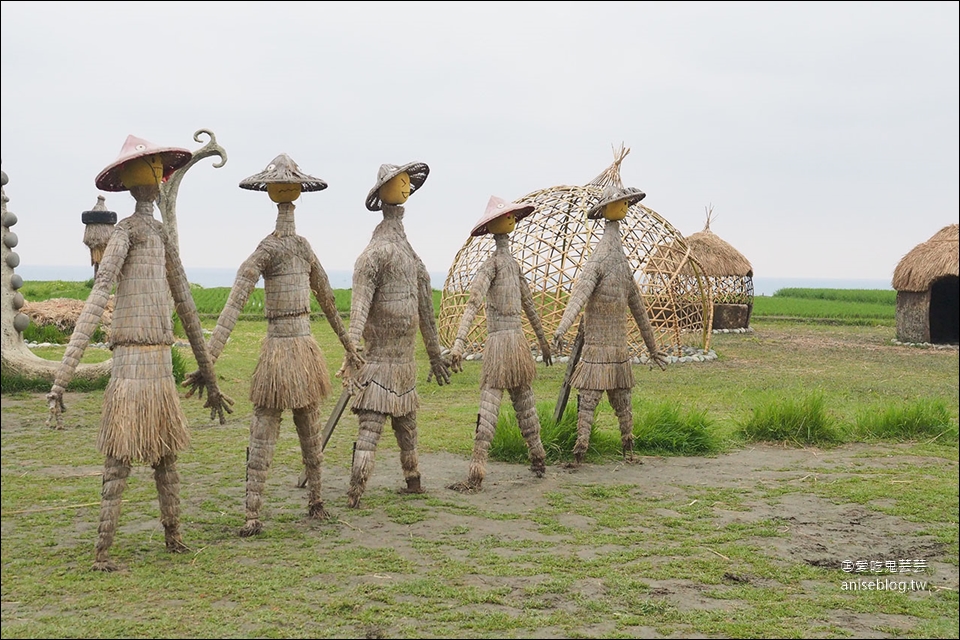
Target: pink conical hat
133	148
497	207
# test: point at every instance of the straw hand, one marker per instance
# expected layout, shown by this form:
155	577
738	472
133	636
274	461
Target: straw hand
439	369
456	356
349	371
218	402
659	358
546	353
57	408
195	383
558	344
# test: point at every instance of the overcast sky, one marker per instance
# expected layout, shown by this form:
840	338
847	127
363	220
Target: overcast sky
824	135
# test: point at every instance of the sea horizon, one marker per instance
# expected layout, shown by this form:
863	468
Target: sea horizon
343	279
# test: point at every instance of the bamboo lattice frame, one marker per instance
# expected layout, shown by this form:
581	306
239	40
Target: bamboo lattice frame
553	244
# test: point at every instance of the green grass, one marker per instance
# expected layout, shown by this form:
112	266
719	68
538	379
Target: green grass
800	421
588	553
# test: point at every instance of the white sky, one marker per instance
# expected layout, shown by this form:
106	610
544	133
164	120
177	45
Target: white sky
824	134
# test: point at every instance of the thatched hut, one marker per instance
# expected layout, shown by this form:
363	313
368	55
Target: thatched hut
98	227
730	275
552	245
928	290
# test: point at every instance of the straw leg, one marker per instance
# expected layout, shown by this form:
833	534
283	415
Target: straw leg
486	426
588	399
167	479
529	423
364	451
622	406
264	431
307	420
115	473
405	430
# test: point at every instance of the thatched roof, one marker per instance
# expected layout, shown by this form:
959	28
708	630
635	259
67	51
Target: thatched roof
937	257
715	255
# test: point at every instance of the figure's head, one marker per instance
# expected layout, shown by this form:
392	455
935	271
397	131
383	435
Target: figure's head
397	189
396	183
141	164
501	216
615	202
282	180
142	172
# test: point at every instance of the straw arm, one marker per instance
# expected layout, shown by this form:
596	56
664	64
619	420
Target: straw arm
113	258
581	293
478	291
187	311
639	312
243	285
439	366
364	286
530	309
320	285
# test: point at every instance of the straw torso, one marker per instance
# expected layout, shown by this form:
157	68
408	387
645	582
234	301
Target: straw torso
507	361
387	278
606	282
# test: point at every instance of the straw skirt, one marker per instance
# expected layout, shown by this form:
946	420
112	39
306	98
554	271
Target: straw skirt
290	374
142	419
507	361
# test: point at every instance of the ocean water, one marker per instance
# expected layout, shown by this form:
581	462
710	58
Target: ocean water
223	277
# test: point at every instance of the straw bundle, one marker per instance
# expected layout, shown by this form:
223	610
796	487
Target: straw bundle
97	230
553	244
63	313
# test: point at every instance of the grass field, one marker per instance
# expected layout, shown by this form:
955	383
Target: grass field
728	528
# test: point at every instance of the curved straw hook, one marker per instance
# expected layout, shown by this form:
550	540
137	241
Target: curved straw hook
168	190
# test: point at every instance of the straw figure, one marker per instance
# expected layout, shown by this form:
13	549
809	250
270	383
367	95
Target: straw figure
98	227
605	290
142	420
291	372
391	297
507	361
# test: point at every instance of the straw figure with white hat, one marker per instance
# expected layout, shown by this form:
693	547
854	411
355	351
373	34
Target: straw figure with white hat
391	298
605	290
291	372
142	420
507	360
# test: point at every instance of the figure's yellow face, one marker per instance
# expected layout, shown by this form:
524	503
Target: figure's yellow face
281	192
142	172
616	210
397	189
504	224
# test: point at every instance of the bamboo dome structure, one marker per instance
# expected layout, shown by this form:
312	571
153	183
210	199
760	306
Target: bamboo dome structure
730	275
552	245
928	290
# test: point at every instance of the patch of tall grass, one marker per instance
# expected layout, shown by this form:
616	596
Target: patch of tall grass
661	429
919	419
800	421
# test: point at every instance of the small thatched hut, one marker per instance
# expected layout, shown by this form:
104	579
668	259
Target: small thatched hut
928	290
730	275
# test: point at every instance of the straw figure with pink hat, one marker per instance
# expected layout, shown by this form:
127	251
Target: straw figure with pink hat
291	372
605	291
391	298
507	360
142	420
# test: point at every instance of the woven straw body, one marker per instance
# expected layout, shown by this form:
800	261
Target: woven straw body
554	243
602	290
291	371
507	361
387	308
142	419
